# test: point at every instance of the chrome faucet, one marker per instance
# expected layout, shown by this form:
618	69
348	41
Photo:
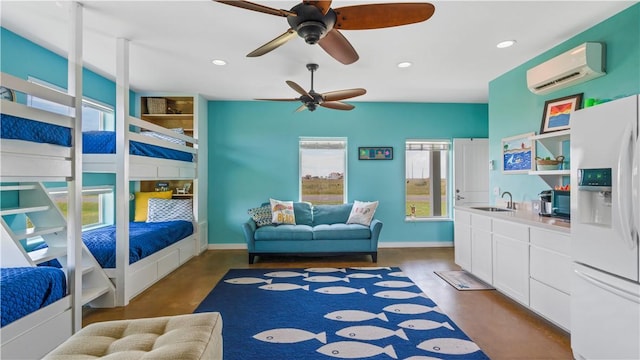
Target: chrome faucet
510	204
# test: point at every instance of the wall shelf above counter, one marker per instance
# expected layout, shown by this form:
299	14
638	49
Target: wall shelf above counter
552	143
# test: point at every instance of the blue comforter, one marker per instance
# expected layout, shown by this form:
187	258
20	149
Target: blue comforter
17	128
24	290
104	142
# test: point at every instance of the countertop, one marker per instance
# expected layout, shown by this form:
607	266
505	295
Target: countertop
525	217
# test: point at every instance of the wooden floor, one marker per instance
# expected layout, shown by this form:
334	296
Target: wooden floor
501	327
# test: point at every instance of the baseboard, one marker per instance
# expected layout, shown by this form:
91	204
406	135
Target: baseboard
381	245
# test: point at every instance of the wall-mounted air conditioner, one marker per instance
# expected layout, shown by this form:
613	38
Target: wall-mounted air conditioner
575	66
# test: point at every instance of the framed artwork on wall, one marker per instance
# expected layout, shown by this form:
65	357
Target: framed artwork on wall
557	113
518	154
375	153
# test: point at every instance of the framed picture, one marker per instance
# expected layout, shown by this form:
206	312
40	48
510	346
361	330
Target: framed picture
518	154
375	153
557	113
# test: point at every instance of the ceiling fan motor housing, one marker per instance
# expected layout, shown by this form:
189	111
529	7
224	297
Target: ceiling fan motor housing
310	23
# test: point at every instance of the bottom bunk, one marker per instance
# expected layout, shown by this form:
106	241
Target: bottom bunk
36	311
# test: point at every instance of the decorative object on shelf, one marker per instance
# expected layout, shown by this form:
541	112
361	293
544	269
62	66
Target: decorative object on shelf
157	105
557	113
548	163
517	154
162	186
7	94
184	190
375	153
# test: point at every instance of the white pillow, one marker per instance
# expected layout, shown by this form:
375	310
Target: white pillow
362	212
164	137
282	212
169	210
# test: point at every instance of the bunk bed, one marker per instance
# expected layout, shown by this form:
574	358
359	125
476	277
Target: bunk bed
45	310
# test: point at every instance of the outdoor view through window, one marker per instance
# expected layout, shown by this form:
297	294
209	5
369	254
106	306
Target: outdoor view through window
323	170
426	172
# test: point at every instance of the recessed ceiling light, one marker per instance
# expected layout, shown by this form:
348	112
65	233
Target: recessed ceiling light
404	64
505	44
218	62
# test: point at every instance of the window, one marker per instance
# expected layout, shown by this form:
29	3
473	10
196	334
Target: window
95	116
426	175
323	164
97	204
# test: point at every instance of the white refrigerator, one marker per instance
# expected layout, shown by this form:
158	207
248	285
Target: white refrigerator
605	220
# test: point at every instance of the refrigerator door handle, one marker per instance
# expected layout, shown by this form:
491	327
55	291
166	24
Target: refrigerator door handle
608	287
635	188
624	186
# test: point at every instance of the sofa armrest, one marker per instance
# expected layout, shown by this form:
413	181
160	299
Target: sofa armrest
375	227
249	228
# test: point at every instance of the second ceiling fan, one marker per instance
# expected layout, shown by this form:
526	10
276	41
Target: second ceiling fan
317	22
311	99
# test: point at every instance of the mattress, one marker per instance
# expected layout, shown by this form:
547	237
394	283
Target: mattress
24	290
104	142
17	128
144	240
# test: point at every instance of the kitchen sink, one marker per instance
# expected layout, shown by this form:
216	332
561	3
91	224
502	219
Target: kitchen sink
490	208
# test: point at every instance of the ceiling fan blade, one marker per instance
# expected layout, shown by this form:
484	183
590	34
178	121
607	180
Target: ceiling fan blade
295	99
257	7
323	5
336	45
273	44
297	88
342	94
301	108
375	16
337	105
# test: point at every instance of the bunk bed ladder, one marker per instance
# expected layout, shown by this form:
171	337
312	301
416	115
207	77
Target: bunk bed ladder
49	225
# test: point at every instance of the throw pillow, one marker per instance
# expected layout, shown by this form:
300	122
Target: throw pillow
142	202
261	215
164	137
282	212
362	212
169	210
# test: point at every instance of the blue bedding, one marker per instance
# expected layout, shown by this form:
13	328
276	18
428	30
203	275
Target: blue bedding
17	128
24	290
104	142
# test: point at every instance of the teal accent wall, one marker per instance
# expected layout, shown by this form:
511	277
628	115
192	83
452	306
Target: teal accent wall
514	110
253	155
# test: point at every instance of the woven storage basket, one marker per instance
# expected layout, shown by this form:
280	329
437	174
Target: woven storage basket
157	105
548	164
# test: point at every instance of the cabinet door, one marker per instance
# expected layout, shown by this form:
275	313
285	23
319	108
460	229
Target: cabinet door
511	267
462	239
481	248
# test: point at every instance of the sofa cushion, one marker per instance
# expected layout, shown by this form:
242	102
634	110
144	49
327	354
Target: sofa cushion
331	214
341	232
283	232
303	212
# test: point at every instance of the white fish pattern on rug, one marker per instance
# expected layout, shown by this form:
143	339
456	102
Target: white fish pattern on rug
380	314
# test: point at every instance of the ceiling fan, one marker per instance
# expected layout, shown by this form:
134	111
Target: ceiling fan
311	99
317	22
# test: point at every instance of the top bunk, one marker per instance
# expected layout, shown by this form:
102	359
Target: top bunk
37	144
155	152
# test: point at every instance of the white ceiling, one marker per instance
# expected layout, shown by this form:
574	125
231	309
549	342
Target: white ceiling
172	43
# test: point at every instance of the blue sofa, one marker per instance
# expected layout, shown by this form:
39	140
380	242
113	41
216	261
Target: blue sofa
320	230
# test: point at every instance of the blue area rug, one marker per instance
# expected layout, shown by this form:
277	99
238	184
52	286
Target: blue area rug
328	313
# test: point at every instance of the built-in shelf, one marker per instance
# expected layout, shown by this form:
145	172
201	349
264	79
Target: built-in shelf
166	116
551	172
552	143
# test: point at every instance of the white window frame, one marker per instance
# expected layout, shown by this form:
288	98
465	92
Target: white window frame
345	147
106	203
430	145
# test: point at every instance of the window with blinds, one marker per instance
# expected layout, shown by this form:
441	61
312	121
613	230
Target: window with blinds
426	178
323	170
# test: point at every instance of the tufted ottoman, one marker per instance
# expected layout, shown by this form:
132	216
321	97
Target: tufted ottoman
184	337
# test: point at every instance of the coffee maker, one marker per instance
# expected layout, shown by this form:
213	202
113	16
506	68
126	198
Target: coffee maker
546	207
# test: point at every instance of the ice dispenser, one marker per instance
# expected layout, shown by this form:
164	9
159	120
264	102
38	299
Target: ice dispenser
594	196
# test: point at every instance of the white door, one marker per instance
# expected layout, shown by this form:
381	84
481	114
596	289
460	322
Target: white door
471	171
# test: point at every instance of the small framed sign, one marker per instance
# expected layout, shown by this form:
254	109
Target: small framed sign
375	153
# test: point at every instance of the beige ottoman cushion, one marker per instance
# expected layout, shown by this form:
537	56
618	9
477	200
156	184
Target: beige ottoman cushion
192	336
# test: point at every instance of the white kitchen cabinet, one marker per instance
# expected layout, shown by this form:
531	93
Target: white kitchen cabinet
511	259
550	275
481	248
462	239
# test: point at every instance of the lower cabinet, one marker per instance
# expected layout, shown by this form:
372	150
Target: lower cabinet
481	248
462	239
511	259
